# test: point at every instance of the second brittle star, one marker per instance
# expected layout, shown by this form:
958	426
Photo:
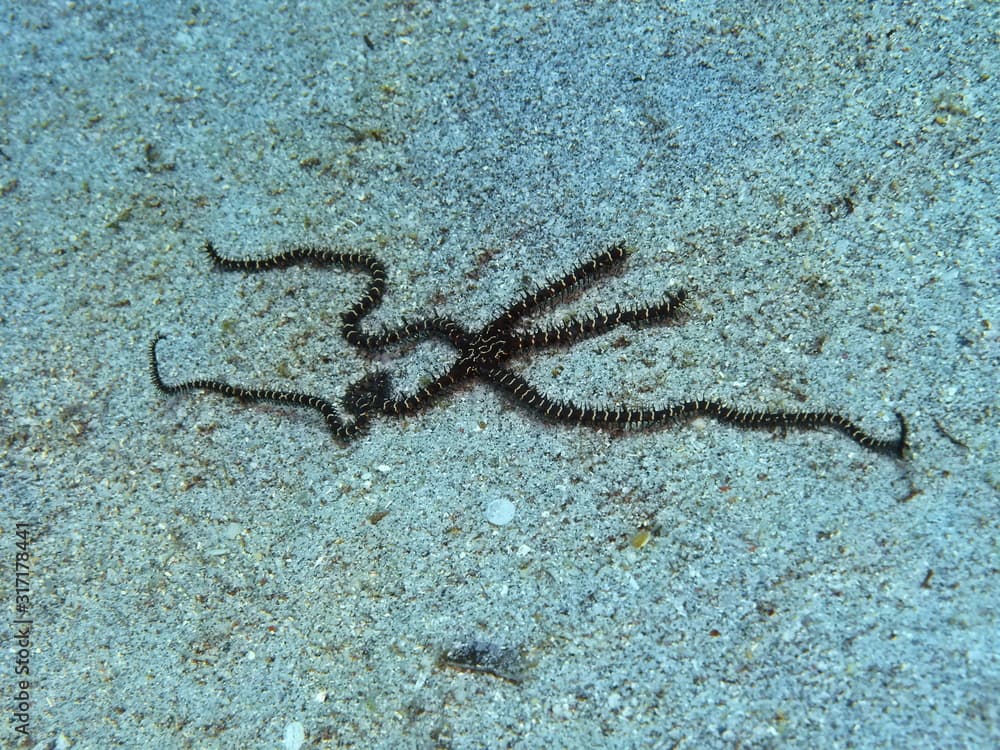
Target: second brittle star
484	354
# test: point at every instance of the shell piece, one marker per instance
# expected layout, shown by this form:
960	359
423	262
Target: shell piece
500	511
640	538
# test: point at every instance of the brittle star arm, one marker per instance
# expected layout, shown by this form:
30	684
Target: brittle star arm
321	256
440	328
584	273
358	400
534	400
401	405
598	322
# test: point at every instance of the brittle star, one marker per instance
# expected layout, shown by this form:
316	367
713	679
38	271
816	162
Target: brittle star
484	354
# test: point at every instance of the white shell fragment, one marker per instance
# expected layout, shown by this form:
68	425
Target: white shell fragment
295	735
500	511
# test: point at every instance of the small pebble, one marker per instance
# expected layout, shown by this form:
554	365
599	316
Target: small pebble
499	511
